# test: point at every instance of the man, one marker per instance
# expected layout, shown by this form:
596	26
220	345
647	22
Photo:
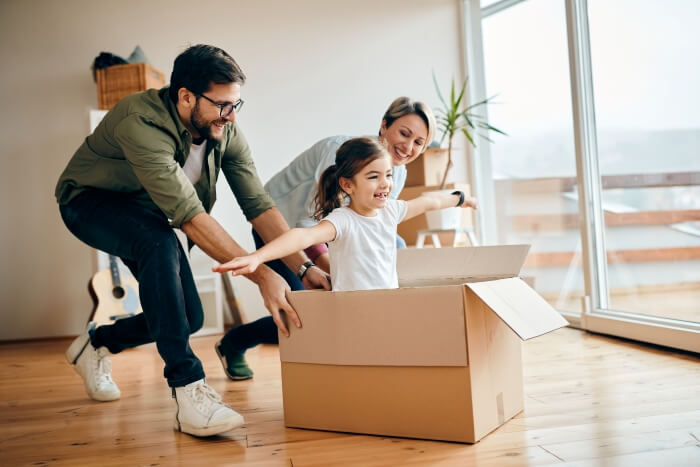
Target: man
149	167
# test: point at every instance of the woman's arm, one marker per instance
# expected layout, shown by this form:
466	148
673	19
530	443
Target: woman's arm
323	262
435	201
289	242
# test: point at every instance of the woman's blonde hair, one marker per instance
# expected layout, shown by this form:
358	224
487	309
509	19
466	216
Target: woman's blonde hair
405	106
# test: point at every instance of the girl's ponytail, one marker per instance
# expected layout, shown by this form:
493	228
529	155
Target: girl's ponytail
329	195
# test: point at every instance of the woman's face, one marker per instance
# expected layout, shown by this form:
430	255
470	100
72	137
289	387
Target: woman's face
405	139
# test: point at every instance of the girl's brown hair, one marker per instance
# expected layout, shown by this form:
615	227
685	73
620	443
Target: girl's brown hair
350	158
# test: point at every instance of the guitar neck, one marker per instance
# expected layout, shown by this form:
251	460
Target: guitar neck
114	270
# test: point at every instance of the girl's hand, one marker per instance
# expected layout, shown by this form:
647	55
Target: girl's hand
470	202
239	266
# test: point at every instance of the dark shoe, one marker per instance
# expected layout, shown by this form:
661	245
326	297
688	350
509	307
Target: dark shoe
234	364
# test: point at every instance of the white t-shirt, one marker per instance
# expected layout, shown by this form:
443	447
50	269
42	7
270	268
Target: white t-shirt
363	254
194	162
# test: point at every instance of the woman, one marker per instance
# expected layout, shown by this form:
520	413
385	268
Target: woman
406	129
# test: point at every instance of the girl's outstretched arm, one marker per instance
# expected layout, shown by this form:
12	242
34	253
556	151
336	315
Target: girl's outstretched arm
289	242
435	201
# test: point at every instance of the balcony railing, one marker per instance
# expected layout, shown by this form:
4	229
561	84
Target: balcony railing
536	209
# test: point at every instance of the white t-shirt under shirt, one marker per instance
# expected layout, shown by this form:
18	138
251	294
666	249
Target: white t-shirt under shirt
363	254
194	162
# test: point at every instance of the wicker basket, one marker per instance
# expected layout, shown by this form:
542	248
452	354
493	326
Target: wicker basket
118	81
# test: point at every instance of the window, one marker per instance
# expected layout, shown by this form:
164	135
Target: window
534	167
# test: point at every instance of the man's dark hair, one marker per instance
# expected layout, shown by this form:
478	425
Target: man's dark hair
199	66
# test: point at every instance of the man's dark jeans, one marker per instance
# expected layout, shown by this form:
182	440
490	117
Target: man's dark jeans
147	245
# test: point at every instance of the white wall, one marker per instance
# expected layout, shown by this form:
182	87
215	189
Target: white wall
315	68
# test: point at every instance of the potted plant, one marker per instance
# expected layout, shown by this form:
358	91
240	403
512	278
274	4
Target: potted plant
451	119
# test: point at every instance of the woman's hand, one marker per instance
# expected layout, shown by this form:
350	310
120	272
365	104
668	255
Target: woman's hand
239	266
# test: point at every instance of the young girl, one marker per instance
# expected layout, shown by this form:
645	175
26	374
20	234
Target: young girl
361	236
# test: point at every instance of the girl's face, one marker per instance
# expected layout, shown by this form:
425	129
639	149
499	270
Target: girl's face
405	139
370	187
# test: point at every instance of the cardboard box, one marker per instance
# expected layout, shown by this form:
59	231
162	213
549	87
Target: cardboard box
409	229
428	169
438	358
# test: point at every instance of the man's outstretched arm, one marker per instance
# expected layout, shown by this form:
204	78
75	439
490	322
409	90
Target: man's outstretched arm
208	235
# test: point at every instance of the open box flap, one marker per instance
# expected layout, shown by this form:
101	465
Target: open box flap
520	307
449	266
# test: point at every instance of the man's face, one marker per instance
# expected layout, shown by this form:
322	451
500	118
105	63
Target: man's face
206	119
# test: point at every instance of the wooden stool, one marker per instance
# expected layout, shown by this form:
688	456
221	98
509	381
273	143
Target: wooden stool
468	231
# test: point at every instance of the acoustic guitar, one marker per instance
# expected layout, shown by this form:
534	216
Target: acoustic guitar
113	297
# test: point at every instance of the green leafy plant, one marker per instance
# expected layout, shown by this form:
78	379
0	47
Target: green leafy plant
452	118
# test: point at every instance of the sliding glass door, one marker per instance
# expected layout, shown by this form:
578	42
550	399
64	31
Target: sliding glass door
645	72
534	166
601	168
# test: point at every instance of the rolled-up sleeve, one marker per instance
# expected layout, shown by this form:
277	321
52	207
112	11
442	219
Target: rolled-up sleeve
150	151
241	175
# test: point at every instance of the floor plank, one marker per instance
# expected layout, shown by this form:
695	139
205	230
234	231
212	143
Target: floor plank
589	400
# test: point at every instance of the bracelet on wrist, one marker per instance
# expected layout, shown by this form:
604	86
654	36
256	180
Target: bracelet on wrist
460	193
304	268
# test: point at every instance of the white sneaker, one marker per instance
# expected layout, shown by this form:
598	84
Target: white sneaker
200	411
94	366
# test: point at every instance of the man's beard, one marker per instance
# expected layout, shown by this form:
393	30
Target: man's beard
202	126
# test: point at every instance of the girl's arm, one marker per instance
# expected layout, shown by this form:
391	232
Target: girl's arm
289	242
435	201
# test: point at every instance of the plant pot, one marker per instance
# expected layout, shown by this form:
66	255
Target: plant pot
444	219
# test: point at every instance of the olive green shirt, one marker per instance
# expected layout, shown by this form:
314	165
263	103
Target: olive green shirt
139	149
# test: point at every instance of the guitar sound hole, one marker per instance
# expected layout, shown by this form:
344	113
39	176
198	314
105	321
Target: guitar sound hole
118	292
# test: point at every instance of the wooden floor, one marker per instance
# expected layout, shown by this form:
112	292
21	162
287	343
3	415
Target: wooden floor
590	400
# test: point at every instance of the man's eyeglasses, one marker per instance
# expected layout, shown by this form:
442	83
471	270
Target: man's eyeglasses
225	109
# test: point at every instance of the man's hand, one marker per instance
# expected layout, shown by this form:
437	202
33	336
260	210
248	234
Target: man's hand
239	266
315	278
273	289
